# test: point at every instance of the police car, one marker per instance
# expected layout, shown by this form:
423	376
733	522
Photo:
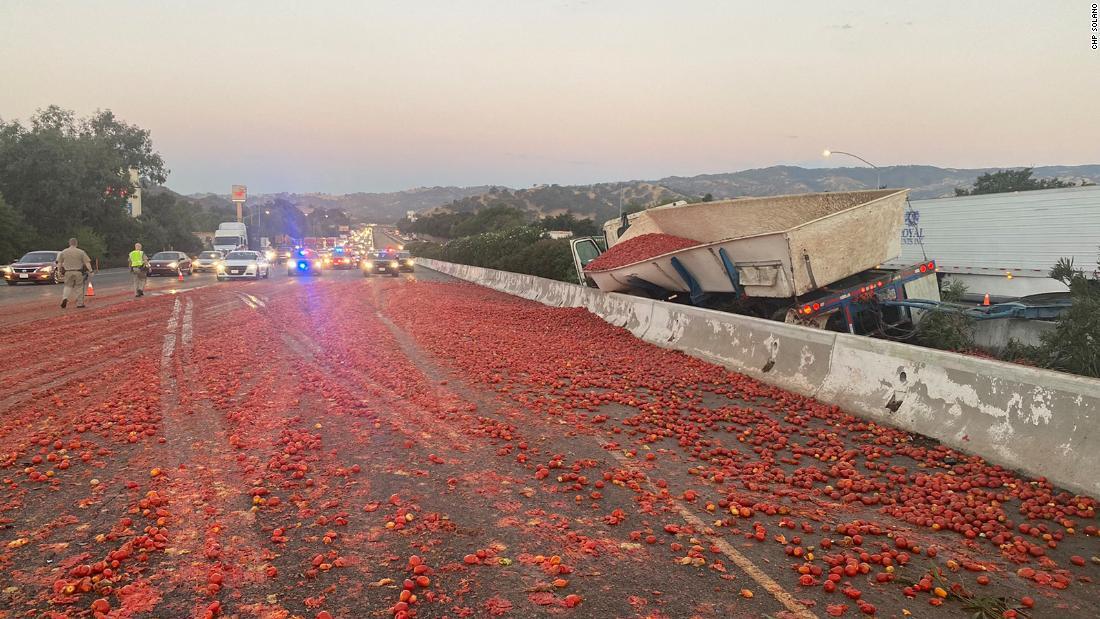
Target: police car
305	262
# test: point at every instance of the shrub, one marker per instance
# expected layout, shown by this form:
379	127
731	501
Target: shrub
520	250
1074	345
947	330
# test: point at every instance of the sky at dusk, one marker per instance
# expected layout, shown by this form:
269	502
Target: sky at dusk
377	95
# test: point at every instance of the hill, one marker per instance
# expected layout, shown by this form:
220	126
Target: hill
601	201
364	207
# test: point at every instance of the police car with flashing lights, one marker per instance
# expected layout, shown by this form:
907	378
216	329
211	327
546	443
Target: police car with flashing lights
305	261
381	262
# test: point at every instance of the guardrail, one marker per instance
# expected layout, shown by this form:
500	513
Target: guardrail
1042	422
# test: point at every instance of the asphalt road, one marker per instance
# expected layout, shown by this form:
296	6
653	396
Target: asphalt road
357	447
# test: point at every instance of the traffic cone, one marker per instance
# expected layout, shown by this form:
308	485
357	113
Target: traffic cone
91	290
985	301
181	277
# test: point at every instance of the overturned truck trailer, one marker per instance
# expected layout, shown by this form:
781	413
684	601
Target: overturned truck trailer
810	258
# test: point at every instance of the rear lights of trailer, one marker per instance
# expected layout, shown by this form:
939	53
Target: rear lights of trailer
868	290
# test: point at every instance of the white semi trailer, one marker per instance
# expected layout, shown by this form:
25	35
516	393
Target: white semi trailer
1004	244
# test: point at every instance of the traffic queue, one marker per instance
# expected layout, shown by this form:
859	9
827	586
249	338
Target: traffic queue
227	260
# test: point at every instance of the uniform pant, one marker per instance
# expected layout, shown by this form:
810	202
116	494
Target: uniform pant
139	280
74	287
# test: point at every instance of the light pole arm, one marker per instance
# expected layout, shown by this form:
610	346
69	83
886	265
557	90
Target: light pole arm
840	152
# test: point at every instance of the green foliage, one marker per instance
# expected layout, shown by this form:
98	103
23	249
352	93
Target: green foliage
1010	180
1074	345
91	242
65	176
491	219
520	250
953	291
15	235
947	330
569	221
439	225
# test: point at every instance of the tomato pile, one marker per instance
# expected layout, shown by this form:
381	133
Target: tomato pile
637	249
402	449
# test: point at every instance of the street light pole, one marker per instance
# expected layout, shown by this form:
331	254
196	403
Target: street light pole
878	173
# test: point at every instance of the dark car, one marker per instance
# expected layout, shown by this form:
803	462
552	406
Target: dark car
305	262
36	267
381	262
407	264
169	263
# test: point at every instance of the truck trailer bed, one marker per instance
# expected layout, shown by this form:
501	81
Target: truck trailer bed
776	247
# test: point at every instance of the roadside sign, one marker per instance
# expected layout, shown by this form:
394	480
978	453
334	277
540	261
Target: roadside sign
240	192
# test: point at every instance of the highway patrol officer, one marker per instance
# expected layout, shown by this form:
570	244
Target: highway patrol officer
139	267
75	265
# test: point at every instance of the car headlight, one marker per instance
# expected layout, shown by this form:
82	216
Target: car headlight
368	264
394	263
221	268
270	255
172	265
45	269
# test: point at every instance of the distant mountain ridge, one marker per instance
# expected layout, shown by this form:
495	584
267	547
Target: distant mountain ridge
601	200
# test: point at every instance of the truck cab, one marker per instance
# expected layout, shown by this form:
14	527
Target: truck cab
230	236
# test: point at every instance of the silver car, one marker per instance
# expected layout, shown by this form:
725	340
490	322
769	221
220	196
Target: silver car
207	261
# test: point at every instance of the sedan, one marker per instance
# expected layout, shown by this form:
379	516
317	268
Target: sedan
208	261
244	265
36	267
408	265
169	263
381	263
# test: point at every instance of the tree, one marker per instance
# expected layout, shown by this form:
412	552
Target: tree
1010	180
62	173
568	221
16	237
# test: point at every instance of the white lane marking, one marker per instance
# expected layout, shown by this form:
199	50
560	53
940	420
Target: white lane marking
187	329
257	300
174	291
781	595
246	300
170	336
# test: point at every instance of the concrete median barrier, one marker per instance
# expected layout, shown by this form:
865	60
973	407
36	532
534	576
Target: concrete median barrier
1041	422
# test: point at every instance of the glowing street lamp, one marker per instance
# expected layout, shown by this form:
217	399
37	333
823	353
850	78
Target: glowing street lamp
878	175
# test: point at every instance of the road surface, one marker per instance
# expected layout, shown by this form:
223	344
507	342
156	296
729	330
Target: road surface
353	447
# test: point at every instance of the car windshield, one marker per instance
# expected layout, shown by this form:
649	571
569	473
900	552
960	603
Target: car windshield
210	255
404	255
227	240
241	255
39	256
166	255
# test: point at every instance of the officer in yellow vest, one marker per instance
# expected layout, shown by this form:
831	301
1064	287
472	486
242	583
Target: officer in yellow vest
139	267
